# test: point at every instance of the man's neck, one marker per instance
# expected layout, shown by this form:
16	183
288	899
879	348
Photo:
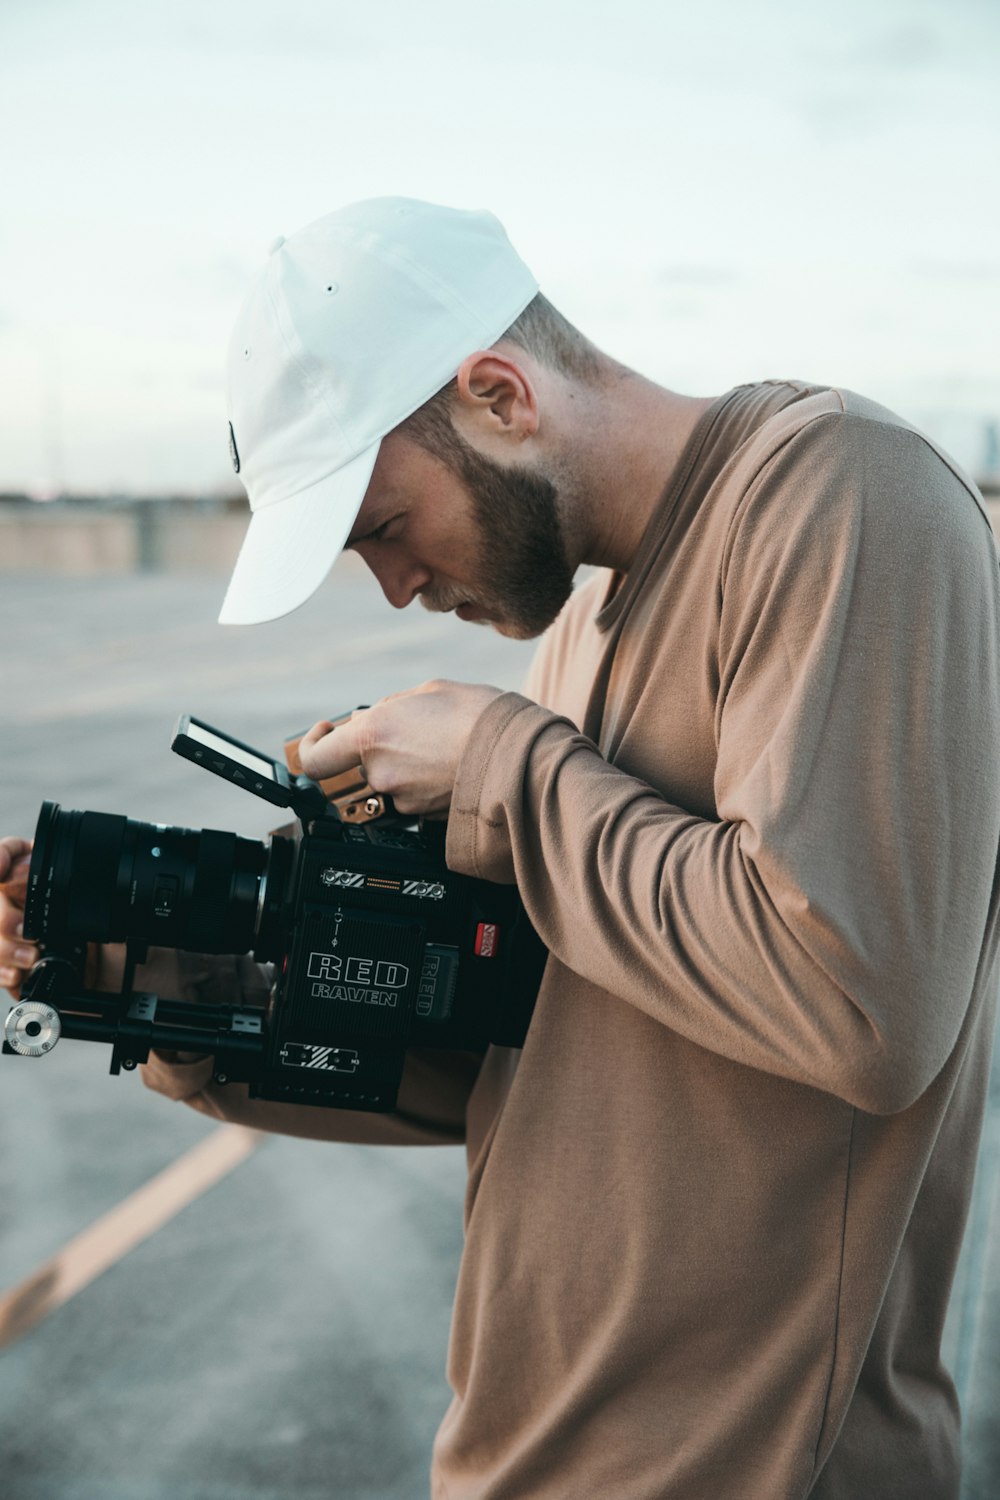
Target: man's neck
625	441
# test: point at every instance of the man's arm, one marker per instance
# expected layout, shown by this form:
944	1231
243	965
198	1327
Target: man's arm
829	925
430	1110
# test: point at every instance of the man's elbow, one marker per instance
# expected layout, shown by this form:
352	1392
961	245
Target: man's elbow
888	1071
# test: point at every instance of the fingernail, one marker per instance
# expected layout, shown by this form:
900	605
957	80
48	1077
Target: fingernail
25	956
19	930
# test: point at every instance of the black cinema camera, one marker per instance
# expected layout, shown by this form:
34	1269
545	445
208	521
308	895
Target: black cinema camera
377	946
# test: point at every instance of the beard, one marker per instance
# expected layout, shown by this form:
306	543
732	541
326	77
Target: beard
522	555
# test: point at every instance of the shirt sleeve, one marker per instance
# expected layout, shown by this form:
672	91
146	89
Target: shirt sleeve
828	925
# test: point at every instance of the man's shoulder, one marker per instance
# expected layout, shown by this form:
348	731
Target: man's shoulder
790	409
835	463
826	426
785	408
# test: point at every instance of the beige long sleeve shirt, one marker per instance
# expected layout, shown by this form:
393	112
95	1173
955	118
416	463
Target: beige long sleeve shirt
752	806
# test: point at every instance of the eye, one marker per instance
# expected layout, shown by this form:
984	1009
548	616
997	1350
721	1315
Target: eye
382	533
388	530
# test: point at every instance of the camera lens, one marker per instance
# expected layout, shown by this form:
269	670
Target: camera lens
101	877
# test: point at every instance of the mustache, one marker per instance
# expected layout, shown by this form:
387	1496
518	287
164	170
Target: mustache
440	600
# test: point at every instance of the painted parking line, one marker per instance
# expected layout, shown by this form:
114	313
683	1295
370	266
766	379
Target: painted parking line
112	1236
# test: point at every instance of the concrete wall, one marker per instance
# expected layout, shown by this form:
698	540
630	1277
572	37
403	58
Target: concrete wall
62	539
59	539
55	543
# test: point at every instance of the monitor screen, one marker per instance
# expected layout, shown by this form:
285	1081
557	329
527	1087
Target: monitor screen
249	758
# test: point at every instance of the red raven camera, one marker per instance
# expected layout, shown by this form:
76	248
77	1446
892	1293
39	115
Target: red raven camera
377	946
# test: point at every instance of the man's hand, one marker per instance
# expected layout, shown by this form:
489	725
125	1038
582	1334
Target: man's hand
16	955
409	744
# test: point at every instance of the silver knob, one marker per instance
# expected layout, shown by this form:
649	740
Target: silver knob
32	1028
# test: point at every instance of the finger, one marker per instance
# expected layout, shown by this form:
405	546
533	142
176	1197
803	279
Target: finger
16	949
13	899
10	980
318	731
326	751
11	919
14	854
16	885
307	744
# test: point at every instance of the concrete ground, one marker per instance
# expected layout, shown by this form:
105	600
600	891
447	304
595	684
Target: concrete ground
283	1335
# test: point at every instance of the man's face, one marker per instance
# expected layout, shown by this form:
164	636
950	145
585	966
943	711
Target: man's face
488	545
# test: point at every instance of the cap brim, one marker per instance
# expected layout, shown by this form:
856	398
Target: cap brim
291	546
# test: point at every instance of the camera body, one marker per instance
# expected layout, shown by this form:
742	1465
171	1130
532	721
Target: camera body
377	946
385	948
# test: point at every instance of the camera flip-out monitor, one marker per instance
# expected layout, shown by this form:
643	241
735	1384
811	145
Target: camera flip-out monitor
246	767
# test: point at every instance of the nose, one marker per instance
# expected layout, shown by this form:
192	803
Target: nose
400	581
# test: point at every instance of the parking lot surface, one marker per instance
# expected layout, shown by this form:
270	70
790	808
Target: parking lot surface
283	1334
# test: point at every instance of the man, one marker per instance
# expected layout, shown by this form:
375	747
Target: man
750	801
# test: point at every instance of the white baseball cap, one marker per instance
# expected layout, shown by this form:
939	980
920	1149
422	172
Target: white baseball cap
352	323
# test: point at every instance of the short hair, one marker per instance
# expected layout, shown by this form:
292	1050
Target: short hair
543	331
540	330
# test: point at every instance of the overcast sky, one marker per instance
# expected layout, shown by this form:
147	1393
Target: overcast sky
716	192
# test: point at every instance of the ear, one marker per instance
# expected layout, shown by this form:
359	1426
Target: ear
496	396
